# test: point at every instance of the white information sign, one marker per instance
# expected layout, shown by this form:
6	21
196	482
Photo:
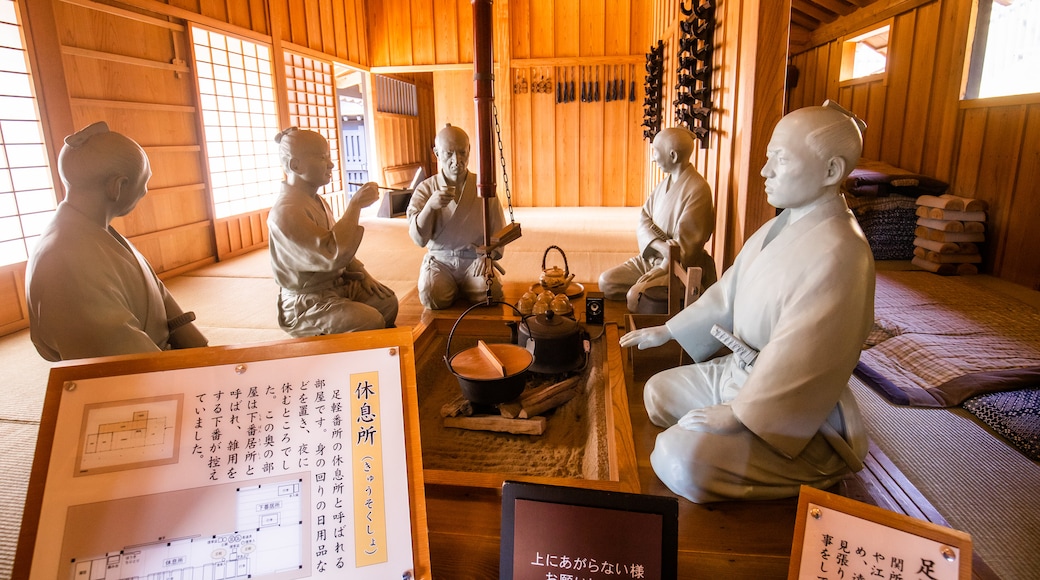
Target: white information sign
282	469
839	539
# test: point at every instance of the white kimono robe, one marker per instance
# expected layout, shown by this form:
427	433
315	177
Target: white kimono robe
310	254
805	301
91	293
684	212
451	240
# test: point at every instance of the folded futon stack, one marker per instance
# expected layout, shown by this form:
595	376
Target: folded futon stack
949	229
884	200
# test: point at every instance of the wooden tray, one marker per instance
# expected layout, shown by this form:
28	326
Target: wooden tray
611	451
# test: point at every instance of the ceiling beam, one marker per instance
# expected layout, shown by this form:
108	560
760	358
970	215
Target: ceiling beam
813	9
862	18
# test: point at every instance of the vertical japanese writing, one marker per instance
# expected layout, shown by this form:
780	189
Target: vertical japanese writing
367	456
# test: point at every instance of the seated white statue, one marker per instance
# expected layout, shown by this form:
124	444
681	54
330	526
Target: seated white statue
89	291
801	295
678	211
325	289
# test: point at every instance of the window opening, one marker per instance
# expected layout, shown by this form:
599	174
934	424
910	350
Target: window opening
240	119
351	93
312	105
27	197
396	96
866	54
1005	50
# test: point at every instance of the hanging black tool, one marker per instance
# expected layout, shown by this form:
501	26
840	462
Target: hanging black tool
559	88
632	86
595	93
704	10
584	87
619	85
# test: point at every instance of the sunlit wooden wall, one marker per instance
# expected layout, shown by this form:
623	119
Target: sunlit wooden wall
407	139
987	148
558	154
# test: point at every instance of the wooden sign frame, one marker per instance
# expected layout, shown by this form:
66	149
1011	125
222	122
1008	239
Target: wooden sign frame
603	532
386	349
815	504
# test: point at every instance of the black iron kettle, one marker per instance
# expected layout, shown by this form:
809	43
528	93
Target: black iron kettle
559	343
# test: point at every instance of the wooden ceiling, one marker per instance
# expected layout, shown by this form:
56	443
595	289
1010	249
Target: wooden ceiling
808	15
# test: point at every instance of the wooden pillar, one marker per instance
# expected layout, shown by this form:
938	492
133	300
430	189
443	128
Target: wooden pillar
763	66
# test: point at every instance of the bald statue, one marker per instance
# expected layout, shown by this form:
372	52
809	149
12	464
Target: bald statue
797	305
325	289
445	216
679	211
89	291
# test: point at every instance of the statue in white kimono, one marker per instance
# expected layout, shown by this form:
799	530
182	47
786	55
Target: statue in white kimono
445	216
89	291
325	289
795	308
680	211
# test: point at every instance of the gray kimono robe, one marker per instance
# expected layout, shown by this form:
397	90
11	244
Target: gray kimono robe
91	293
311	253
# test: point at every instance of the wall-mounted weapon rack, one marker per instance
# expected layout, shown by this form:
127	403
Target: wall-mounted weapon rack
652	101
589	83
693	79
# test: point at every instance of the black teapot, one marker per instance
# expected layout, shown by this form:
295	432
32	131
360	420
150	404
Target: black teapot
559	343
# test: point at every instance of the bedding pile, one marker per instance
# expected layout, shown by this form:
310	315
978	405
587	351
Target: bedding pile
885	200
938	341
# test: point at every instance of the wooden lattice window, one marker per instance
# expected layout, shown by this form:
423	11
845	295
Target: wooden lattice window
240	117
27	198
311	94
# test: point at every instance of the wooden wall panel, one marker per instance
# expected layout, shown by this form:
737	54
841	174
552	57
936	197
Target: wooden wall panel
997	163
1015	257
245	14
446	35
407	139
915	120
157	110
454	103
890	120
239	234
14	315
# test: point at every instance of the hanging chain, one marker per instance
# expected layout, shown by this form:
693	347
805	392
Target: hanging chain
502	158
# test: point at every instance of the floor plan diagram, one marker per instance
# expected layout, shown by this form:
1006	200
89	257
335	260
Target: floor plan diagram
129	434
265	542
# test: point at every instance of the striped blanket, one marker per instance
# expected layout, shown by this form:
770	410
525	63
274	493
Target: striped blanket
938	341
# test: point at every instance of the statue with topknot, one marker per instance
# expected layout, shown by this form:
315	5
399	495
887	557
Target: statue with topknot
324	288
89	291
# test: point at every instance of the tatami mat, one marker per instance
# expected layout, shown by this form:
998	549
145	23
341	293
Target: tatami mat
24	380
19	441
978	483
